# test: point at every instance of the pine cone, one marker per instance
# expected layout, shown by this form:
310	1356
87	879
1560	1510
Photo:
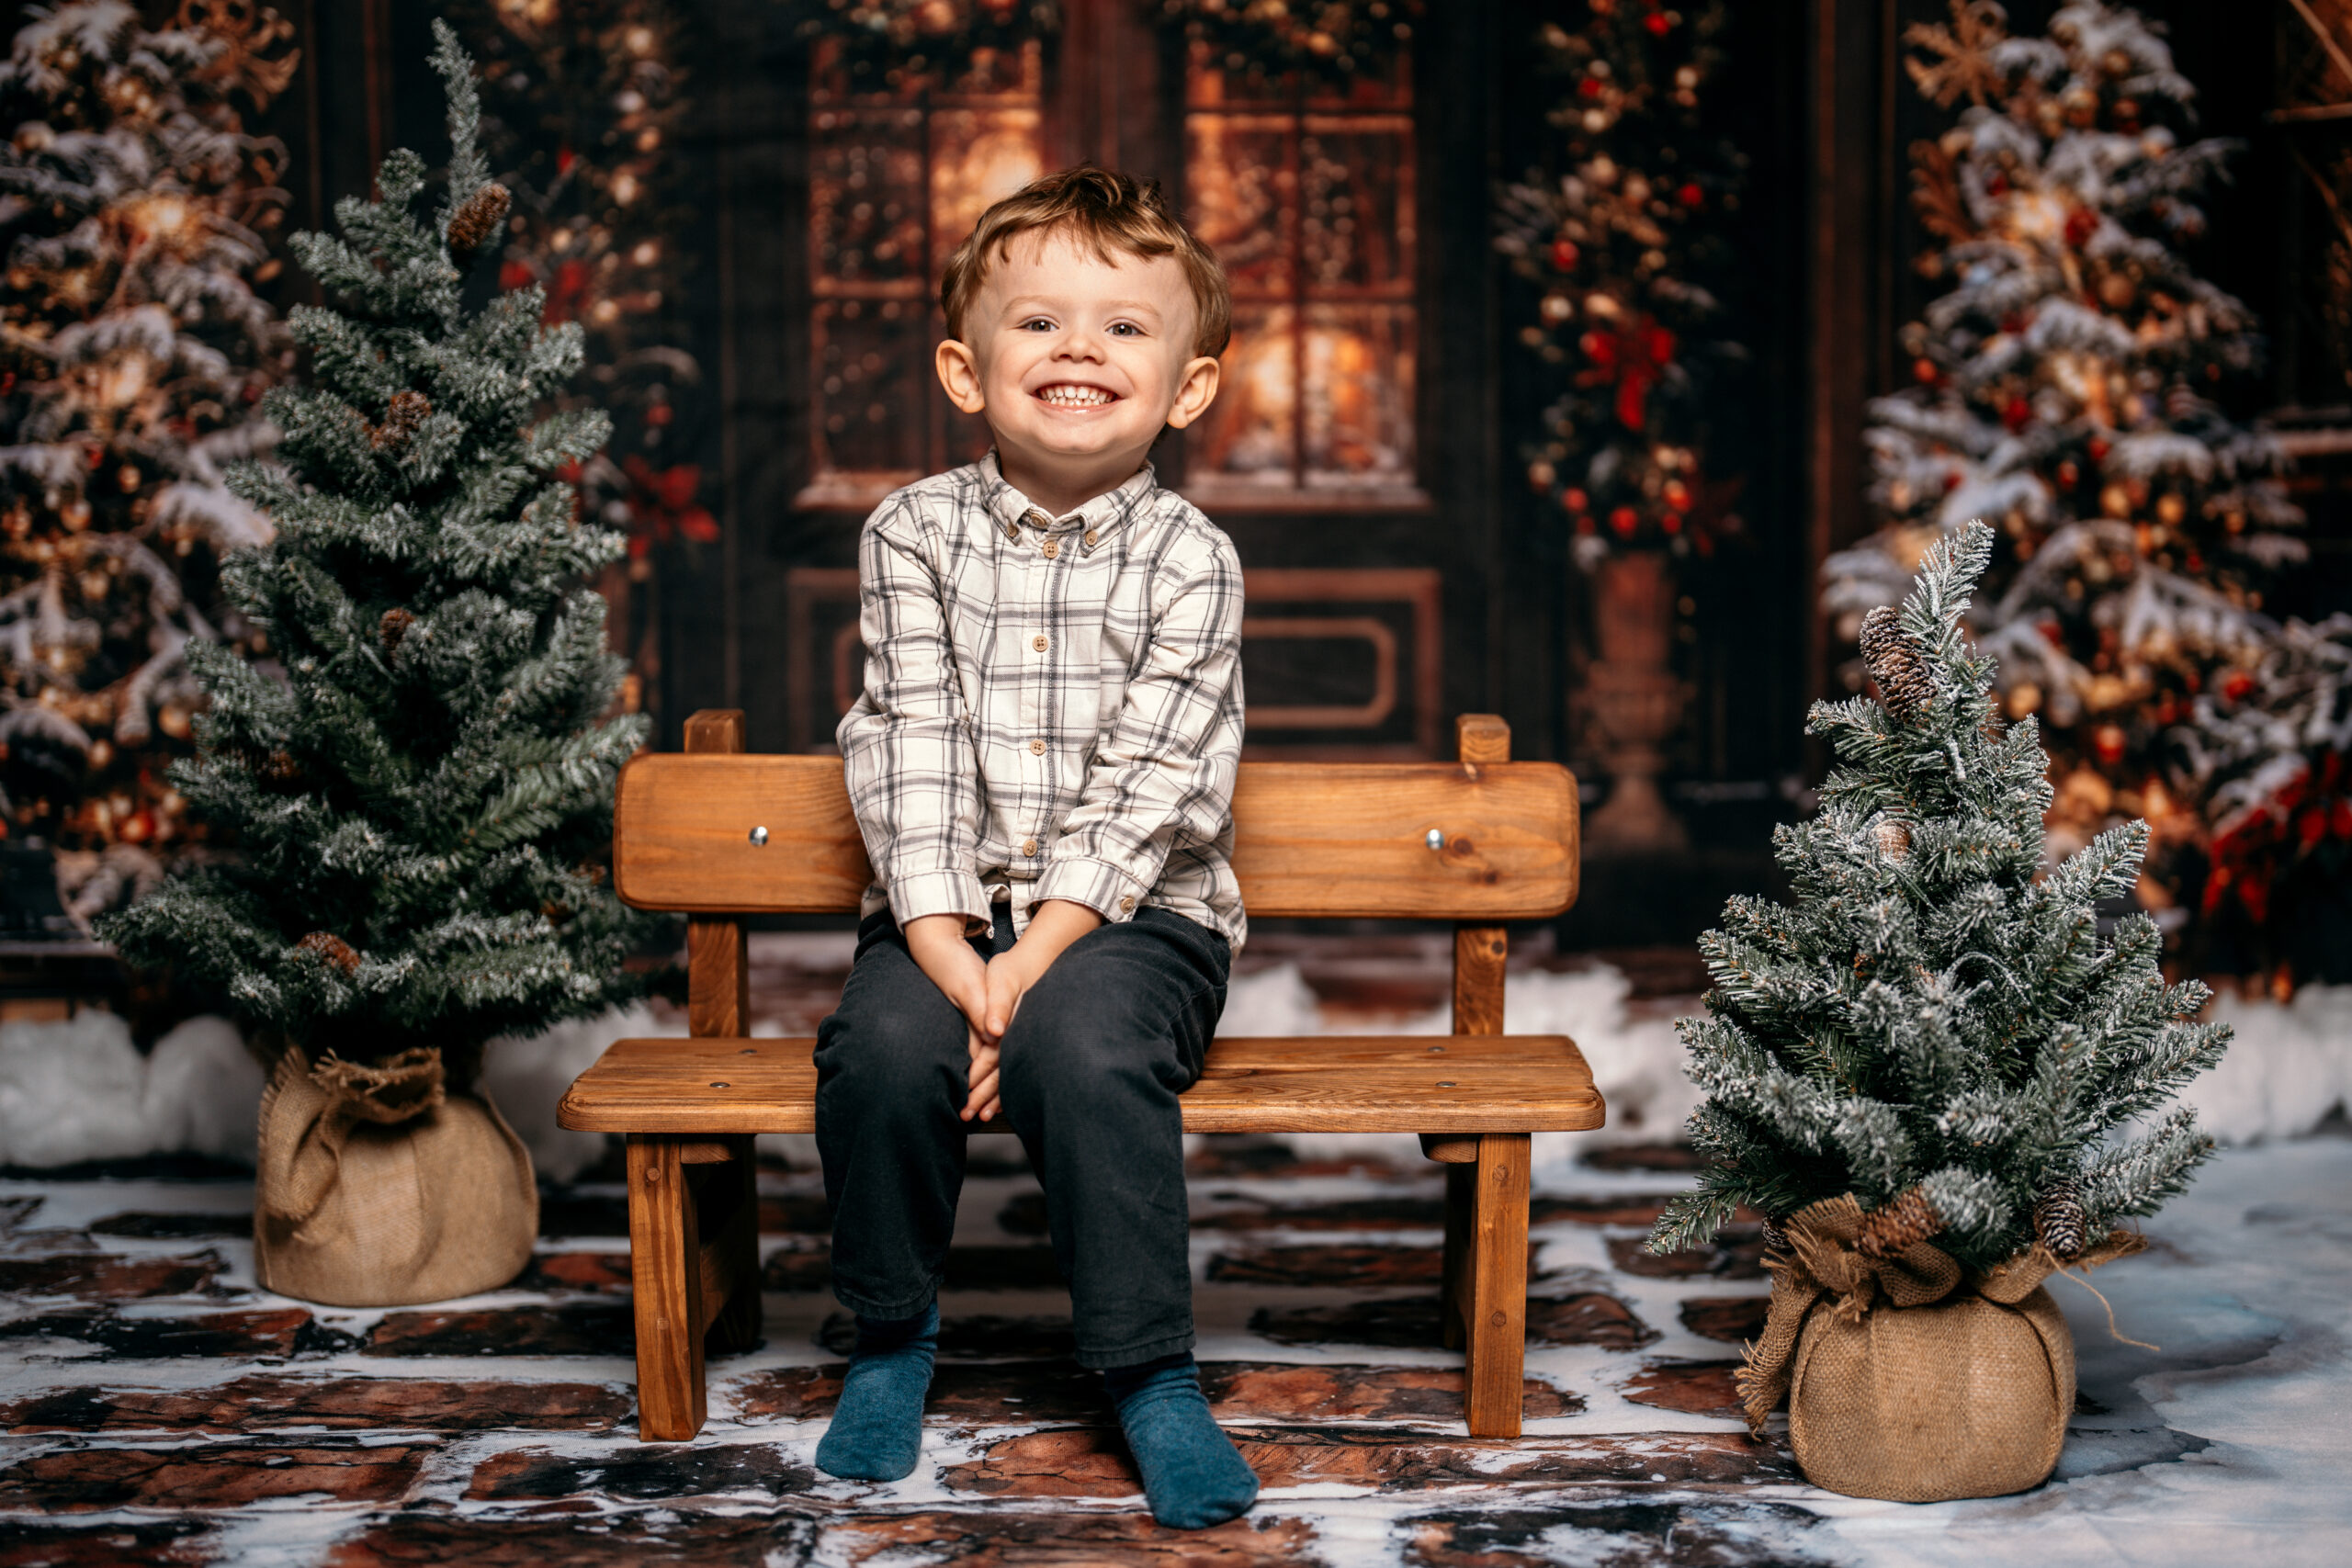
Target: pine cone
334	949
394	629
1894	838
2059	1220
276	767
406	411
1776	1240
1891	1230
475	221
1897	664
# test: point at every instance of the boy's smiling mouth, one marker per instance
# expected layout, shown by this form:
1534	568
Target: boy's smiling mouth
1075	395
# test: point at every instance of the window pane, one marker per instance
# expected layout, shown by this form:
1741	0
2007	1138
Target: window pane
1211	83
1358	202
866	196
1250	433
868	355
1359	394
979	156
1240	196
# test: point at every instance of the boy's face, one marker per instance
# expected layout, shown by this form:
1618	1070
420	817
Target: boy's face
1076	363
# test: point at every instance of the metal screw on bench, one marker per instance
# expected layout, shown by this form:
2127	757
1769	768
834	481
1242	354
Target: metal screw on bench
719	1083
1445	1083
760	837
1437	837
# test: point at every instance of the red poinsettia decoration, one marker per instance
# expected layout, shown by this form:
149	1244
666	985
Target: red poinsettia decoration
661	505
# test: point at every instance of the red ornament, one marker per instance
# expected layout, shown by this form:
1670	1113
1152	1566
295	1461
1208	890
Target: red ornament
1625	520
2081	224
564	158
2339	816
2098	449
2312	827
1584	524
1997	186
2016	414
1923	370
1671	523
1660	344
1657	22
1690	195
1588	88
1564	255
1577	500
2106	742
513	275
2237	685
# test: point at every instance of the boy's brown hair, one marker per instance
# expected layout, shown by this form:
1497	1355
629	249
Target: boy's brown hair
1104	209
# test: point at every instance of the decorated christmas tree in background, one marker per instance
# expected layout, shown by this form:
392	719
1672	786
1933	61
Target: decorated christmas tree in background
2066	388
1619	232
1933	1027
582	108
423	803
134	211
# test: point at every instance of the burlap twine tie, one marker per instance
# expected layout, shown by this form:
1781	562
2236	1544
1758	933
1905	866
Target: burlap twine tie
298	1174
1821	1262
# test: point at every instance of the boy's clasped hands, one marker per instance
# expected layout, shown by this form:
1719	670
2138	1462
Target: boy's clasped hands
988	992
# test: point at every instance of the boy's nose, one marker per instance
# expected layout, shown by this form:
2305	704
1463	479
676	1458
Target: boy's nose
1080	344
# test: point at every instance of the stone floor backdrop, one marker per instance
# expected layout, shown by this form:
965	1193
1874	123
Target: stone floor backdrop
156	1407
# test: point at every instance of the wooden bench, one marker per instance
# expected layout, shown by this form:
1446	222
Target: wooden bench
718	835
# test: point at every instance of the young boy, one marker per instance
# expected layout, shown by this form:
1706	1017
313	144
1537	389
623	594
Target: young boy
1042	765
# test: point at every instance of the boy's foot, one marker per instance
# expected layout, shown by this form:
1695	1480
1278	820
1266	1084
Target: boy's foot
877	1433
1193	1475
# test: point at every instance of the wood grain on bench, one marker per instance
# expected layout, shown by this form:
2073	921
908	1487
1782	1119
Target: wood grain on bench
1329	839
1411	1083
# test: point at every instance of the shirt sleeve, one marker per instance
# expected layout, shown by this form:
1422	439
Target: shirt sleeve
906	746
1165	774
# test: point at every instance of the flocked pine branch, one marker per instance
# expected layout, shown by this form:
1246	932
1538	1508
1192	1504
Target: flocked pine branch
1935	1023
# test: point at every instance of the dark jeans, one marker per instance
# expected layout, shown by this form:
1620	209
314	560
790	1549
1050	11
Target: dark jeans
1100	1048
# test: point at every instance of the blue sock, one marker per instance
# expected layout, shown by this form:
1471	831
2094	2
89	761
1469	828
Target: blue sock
877	1433
1193	1475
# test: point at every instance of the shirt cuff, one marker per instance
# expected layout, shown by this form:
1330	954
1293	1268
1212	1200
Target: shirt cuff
940	893
1102	886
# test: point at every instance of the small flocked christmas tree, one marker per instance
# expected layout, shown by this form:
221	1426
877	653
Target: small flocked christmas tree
2067	387
1622	234
133	213
1932	1027
423	802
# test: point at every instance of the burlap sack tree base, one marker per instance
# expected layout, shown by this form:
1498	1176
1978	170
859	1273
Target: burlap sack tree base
379	1186
1908	1378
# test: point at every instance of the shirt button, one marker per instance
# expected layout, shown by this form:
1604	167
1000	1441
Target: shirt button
1053	548
1037	519
1126	904
1036	748
1039	643
1090	538
1028	846
1012	530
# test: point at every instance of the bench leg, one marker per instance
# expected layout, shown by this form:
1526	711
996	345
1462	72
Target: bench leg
728	1209
1496	1309
665	1259
1461	1187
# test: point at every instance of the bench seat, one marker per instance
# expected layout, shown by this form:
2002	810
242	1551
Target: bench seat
1407	1083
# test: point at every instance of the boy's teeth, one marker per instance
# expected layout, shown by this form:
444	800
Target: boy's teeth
1075	396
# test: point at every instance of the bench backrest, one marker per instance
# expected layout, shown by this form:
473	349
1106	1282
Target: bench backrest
714	832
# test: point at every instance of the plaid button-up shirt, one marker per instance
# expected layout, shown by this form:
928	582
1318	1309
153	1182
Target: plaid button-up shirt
1052	705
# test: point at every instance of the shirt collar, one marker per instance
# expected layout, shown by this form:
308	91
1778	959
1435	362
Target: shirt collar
1010	510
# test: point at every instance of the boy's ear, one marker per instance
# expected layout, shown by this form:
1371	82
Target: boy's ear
960	374
1195	392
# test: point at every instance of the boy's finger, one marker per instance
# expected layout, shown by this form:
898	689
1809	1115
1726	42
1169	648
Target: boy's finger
984	1097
